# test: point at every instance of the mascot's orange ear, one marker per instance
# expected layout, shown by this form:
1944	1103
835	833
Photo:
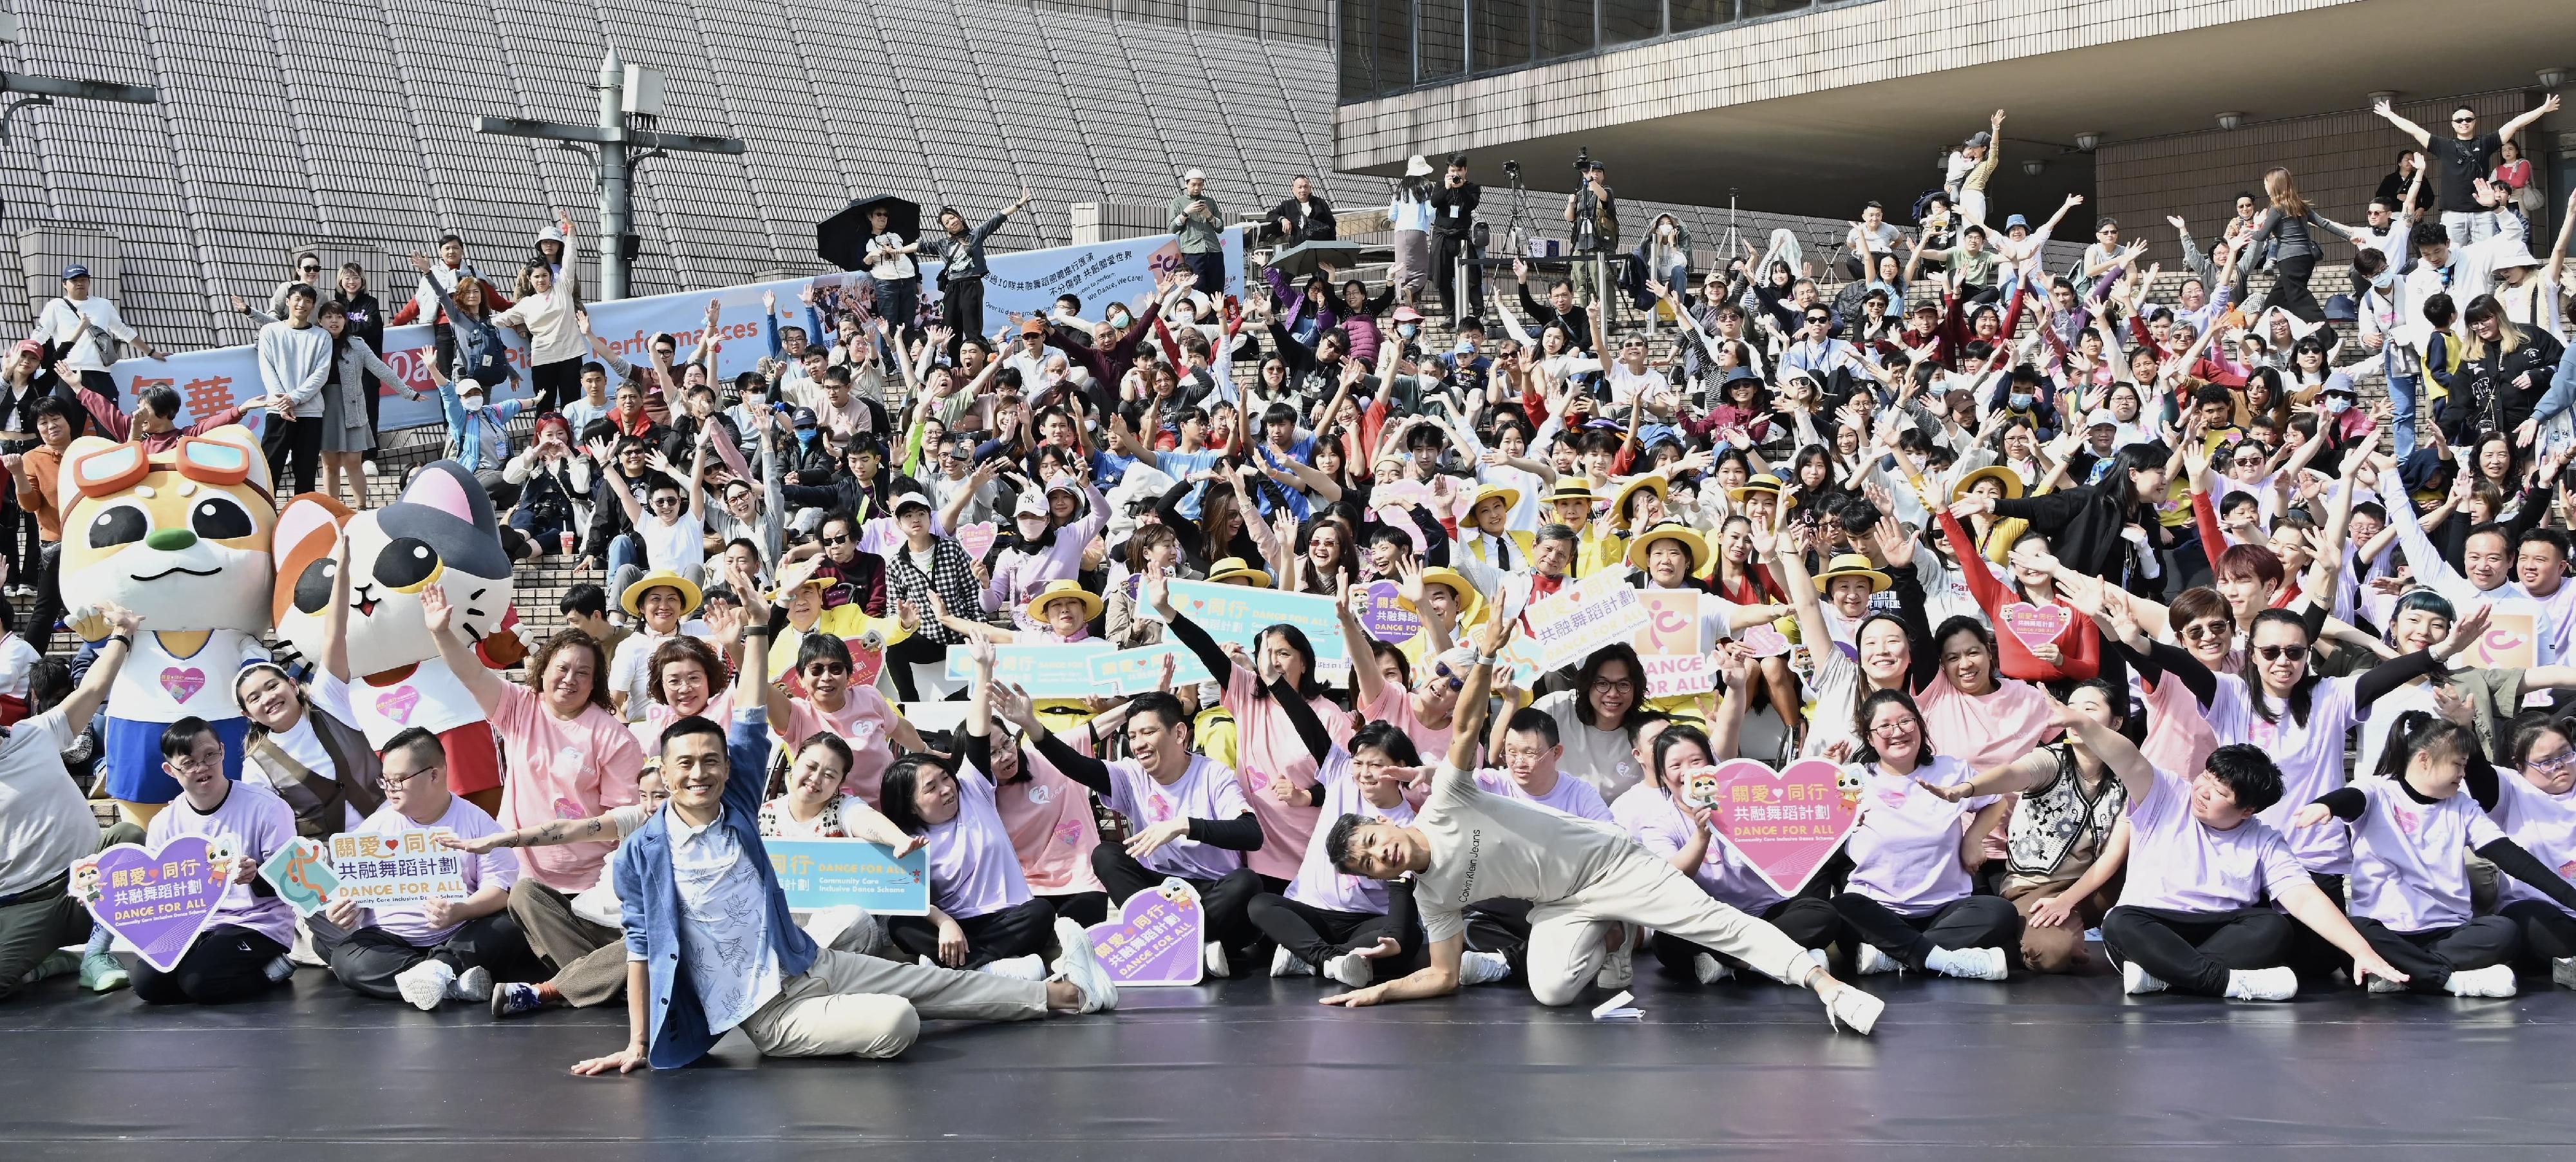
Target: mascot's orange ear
308	530
503	648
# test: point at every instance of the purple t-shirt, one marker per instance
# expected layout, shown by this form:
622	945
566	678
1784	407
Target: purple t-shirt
1650	817
251	821
1319	886
1570	795
2311	760
2409	859
2178	863
1206	790
973	868
2544	824
498	867
1905	852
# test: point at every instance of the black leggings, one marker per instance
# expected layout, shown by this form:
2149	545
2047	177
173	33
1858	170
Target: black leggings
557	383
902	656
2429	958
1966	922
227	964
1013	931
2290	287
961	309
1315	935
1225	900
1811	922
2547	933
2192	952
1084	908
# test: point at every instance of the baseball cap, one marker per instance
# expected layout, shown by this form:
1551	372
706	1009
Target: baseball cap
31	347
1032	327
803	418
1195	176
906	500
74	271
2101	417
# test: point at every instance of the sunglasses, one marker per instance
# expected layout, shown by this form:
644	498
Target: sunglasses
827	669
309	269
2276	653
2464	120
2204	632
831	541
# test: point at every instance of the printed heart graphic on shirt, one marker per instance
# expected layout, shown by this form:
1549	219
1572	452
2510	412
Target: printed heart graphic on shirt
1763	641
977	539
154	908
1785	823
398	703
183	685
2408	820
1069	832
567	809
1154	938
2037	625
1157	809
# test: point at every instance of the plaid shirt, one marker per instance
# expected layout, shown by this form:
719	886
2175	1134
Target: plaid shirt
950	576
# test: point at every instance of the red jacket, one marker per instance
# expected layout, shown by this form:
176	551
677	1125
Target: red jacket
2079	644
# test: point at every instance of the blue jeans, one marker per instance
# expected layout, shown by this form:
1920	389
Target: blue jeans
623	550
2401	406
2468	226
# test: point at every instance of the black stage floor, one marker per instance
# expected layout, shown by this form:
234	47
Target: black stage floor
2054	1067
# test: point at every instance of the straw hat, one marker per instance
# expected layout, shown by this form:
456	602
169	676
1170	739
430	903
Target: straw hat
1572	488
1652	482
1763	482
1232	567
1469	601
1852	565
1511	497
1058	590
1998	473
690	594
1688	537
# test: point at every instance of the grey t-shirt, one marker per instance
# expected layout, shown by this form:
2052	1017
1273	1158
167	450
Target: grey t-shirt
1486	846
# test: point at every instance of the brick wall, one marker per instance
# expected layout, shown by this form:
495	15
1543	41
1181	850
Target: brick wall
2338	160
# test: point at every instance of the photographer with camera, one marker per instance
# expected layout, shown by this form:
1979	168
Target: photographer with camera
1453	219
1594	211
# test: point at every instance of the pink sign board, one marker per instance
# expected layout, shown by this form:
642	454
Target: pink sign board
1786	823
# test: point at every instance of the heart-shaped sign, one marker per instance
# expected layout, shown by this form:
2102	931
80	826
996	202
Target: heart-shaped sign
183	684
976	539
1784	823
398	703
1155	938
2036	625
1763	641
157	900
1387	619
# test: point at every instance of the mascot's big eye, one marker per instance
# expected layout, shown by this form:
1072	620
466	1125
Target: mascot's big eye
217	518
122	525
405	565
313	589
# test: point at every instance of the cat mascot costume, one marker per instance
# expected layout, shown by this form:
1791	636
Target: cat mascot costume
441	530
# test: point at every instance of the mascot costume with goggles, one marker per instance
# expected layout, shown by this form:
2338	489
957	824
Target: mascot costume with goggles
180	537
441	530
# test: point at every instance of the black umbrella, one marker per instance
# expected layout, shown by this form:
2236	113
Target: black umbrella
1306	258
842	239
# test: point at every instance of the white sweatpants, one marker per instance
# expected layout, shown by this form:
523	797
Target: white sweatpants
1565	947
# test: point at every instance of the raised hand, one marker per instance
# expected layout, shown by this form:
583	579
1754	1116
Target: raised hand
435	612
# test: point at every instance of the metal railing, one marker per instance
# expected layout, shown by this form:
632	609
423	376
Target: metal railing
1385	47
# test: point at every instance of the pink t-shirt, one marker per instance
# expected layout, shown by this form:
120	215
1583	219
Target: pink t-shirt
2409	859
251	821
2178	863
1205	790
864	721
496	868
1905	852
2544	824
1051	825
1267	745
973	870
2181	733
1658	825
1984	730
1317	884
563	770
2310	756
1395	704
1570	795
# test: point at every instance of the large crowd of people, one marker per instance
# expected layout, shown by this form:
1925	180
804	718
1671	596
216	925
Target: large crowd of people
2182	629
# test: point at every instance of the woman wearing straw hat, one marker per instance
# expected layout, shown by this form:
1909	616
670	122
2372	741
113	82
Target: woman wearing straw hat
662	603
1994	535
1597	546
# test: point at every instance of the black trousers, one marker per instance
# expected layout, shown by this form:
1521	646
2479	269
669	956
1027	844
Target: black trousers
2547	933
1967	922
1811	922
38	625
1210	269
992	936
375	409
1446	251
369	959
293	443
899	302
1315	935
902	656
227	964
961	309
2429	958
557	383
1084	908
2290	287
2312	956
101	382
2193	952
1226	899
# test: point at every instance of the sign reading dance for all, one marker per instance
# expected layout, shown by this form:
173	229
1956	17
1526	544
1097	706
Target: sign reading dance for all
406	867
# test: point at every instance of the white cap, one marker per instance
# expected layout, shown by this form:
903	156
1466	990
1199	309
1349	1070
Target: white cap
468	384
1194	176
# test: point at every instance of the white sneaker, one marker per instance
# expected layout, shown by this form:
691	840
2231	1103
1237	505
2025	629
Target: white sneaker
1286	963
1352	969
1708	969
2137	982
2562	972
1853	1009
2278	983
927	962
1029	967
425	984
2381	984
1078	967
1970	963
1618	966
2495	980
301	953
1483	968
473	984
1872	960
1215	957
367	466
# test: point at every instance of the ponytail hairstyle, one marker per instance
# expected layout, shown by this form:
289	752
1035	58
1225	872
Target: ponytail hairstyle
2420	732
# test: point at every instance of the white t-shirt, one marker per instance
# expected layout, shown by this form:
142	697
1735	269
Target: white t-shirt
44	825
1607	759
679	545
17	664
1486	846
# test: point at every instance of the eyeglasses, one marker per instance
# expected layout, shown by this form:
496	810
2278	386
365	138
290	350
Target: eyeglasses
2276	653
389	782
1615	685
2556	762
1897	728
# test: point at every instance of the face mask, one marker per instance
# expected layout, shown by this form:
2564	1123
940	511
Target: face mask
471	403
1408	330
755	402
2384	279
1118	318
2020	400
2337	406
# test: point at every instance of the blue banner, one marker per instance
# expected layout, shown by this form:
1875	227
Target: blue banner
1138	670
1061	671
1238	613
827	873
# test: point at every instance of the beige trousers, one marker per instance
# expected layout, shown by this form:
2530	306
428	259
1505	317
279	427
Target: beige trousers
853	1004
1565	941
